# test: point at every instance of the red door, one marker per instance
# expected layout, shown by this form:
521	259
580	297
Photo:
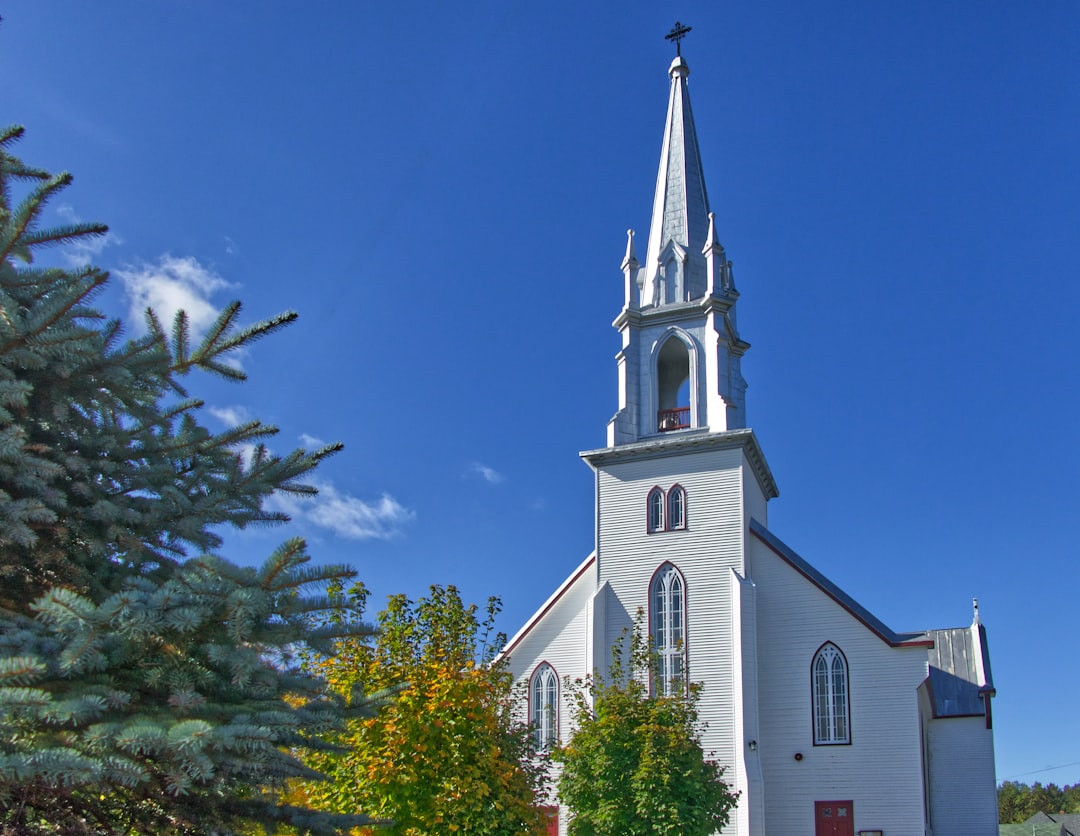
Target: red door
551	815
834	818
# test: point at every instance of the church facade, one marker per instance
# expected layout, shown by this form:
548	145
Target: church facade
827	721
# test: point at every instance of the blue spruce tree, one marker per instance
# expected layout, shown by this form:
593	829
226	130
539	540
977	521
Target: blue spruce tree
146	685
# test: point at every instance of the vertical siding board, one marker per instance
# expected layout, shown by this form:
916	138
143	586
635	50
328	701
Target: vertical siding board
961	755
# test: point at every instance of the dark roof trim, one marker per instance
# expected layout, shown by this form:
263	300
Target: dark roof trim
552	601
836	593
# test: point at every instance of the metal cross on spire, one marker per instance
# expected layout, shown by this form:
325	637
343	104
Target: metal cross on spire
677	34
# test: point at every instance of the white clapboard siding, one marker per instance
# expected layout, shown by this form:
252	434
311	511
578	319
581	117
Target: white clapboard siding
963	795
557	634
708	554
880	771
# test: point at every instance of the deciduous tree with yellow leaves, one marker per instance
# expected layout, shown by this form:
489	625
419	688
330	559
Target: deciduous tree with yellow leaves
444	753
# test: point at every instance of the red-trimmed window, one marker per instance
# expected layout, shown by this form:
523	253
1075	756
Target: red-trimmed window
667	625
544	700
676	508
655	506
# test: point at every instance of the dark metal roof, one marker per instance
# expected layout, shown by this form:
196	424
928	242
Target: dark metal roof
833	591
954	674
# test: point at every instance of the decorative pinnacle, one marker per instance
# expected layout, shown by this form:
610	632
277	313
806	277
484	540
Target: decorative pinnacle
711	240
677	34
630	259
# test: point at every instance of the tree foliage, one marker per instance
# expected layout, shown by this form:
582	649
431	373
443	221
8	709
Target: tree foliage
443	754
139	691
635	764
1018	802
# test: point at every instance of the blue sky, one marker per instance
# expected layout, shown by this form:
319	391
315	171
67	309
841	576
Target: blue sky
442	192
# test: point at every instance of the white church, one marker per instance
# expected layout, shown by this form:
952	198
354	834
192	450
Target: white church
827	721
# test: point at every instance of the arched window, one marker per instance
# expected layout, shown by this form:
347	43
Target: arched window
676	508
667	625
656	510
829	675
544	698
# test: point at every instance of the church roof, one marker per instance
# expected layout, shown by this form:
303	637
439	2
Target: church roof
588	563
680	212
836	593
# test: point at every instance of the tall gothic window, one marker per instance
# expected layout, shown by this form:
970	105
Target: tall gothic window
656	510
829	674
676	503
544	698
667	624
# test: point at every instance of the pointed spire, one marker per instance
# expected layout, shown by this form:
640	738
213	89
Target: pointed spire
680	214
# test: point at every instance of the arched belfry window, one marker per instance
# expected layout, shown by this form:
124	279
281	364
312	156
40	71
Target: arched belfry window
655	510
667	627
676	508
829	678
544	701
673	395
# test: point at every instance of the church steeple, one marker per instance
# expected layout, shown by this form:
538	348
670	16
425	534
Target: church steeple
679	367
680	215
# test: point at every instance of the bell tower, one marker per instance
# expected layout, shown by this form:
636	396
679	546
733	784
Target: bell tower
679	366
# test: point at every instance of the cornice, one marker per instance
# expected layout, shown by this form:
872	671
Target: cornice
678	312
690	441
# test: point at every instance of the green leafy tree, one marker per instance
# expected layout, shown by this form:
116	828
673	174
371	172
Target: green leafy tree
145	685
635	764
1018	802
443	754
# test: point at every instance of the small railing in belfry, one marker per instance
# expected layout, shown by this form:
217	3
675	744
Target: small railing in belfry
673	419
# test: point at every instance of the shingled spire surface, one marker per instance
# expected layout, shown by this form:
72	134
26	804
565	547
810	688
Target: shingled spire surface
680	212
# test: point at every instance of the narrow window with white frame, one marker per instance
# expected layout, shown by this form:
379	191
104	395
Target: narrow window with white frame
829	676
667	623
544	697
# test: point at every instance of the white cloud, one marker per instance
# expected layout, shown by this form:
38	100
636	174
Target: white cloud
346	515
488	474
230	416
170	285
311	442
230	246
83	250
